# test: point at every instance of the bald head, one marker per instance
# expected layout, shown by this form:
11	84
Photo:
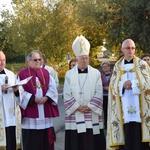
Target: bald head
2	61
128	49
1	53
126	42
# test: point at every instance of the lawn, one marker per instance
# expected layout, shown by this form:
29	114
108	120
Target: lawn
15	67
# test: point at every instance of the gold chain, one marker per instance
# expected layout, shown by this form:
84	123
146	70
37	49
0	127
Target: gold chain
81	88
40	83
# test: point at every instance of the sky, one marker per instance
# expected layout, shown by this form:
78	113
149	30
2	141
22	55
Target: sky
6	3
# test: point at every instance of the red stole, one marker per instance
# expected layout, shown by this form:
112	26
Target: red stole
31	111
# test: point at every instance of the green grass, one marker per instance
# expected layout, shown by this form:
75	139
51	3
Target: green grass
15	67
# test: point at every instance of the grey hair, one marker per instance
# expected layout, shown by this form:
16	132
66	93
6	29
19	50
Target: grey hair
28	58
105	62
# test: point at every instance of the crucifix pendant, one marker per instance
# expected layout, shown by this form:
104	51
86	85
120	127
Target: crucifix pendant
38	84
80	93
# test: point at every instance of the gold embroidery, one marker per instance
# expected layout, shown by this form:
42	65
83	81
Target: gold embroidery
147	119
82	45
142	67
115	125
1	134
115	117
147	92
124	71
131	110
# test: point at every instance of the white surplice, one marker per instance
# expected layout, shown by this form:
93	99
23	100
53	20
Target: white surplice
41	122
9	110
130	98
83	90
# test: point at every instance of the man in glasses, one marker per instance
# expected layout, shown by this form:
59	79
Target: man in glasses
128	104
146	57
38	103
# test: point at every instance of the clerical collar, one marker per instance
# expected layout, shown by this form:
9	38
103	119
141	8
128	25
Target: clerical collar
107	74
84	71
43	66
2	72
128	61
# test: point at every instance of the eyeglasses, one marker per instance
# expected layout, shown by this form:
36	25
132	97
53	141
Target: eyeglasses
128	48
37	59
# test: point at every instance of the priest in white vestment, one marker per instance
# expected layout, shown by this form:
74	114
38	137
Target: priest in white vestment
128	126
9	111
83	99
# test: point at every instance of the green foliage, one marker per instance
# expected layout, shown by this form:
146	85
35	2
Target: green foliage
92	19
52	27
49	28
15	67
93	57
130	19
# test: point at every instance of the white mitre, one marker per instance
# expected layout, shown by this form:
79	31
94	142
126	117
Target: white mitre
81	46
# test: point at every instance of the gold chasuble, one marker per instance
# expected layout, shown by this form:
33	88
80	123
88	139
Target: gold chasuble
115	128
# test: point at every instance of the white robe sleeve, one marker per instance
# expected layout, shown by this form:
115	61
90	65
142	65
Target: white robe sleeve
53	73
23	98
120	86
52	90
0	92
135	87
69	101
55	78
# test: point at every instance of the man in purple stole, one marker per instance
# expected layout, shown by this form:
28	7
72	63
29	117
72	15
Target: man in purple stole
38	103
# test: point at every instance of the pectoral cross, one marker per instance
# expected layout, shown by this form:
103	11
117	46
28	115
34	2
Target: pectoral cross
80	93
38	84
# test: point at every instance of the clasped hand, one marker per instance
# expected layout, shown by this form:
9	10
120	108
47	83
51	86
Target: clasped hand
41	100
127	85
83	109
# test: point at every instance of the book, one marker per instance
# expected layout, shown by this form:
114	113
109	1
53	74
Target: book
22	82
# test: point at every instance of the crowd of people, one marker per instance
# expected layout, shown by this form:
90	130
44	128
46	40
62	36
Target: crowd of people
105	109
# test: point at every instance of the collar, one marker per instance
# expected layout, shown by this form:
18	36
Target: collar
43	66
83	71
2	72
128	61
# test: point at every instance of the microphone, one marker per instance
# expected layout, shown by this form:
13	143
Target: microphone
6	82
